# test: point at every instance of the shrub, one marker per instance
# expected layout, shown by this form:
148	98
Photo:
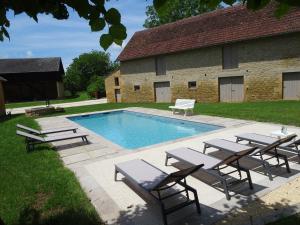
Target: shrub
96	87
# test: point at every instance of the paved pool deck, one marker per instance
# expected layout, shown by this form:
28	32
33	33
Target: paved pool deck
21	110
117	203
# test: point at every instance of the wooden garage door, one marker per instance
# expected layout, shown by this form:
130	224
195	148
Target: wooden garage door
162	91
291	86
231	89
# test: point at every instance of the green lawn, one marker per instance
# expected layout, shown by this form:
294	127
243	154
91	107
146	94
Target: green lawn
35	188
82	96
283	112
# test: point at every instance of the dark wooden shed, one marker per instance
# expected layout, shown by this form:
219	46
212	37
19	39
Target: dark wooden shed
32	79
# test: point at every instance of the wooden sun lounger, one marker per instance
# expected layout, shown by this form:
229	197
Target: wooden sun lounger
213	165
154	181
31	140
48	131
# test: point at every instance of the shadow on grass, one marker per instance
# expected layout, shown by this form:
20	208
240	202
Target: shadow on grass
31	216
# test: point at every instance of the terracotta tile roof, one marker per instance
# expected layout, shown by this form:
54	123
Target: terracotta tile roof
218	27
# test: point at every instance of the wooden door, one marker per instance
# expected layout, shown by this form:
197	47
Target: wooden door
291	86
118	95
162	91
231	89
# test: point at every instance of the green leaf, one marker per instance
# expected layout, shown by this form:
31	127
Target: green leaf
281	10
256	4
113	16
105	41
229	2
97	24
118	42
158	4
118	32
1	36
6	34
213	3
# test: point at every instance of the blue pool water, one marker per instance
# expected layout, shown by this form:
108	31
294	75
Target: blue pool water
133	130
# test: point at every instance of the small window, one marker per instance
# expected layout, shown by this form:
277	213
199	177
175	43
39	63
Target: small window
117	81
230	57
160	66
192	84
136	87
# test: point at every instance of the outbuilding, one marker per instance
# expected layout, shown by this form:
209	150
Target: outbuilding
32	79
228	55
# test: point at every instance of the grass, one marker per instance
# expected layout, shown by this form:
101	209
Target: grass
35	188
295	219
82	96
283	112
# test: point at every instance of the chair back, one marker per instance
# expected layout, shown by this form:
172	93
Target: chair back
189	103
275	144
177	176
236	156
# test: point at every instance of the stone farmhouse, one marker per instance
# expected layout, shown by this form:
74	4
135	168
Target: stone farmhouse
228	55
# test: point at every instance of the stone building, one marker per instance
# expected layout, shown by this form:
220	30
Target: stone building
32	79
228	55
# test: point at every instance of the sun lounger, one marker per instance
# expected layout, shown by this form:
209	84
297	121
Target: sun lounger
48	131
233	147
31	139
154	181
291	145
213	165
186	105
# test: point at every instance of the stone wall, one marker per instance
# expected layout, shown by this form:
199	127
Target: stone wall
110	86
261	63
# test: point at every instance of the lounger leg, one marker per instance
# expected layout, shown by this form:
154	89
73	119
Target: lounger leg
286	164
116	174
186	190
205	147
226	191
166	161
196	201
249	179
164	216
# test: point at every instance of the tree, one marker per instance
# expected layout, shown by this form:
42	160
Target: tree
176	10
95	12
84	67
96	87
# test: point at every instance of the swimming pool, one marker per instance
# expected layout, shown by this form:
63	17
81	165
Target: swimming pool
133	130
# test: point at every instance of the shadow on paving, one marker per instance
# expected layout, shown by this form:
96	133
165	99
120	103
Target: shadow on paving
256	211
256	166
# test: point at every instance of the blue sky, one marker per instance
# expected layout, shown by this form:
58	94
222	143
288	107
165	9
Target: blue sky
69	38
